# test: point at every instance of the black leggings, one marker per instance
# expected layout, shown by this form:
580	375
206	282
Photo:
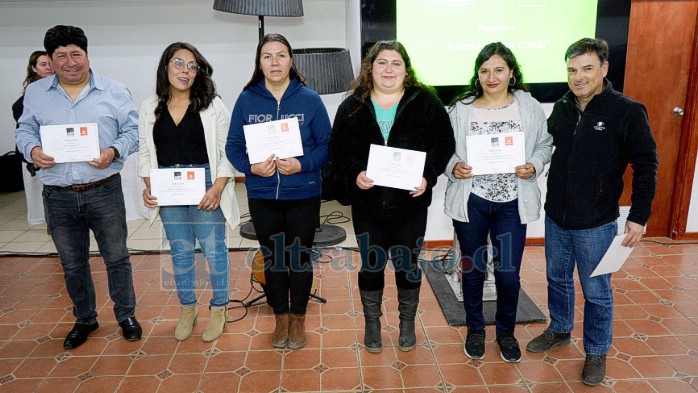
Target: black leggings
400	236
286	230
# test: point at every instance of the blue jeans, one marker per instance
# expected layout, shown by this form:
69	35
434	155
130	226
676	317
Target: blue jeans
503	223
184	225
586	247
71	216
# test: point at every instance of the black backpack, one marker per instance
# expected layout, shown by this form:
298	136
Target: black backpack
11	172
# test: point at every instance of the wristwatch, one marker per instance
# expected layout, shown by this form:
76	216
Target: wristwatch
116	153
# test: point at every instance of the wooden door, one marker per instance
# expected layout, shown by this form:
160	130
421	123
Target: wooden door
660	54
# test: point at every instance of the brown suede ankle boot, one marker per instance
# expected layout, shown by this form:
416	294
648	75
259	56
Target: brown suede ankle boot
279	338
296	331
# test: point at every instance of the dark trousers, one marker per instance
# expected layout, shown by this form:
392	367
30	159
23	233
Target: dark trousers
502	222
286	230
399	238
71	216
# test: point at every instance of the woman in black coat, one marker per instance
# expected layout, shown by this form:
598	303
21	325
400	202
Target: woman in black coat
388	106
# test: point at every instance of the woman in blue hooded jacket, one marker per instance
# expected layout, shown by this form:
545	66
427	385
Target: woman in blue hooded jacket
283	194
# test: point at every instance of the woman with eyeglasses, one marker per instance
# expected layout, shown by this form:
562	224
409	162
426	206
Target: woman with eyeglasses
185	125
283	193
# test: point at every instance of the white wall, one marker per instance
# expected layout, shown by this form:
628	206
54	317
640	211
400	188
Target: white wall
127	37
692	224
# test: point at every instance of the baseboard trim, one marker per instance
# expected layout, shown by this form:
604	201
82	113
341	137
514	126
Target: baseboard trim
437	243
531	241
687	236
535	241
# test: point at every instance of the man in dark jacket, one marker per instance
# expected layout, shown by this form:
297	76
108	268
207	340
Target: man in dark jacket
597	132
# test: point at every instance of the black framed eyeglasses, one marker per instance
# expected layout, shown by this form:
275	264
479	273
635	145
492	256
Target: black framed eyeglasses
180	63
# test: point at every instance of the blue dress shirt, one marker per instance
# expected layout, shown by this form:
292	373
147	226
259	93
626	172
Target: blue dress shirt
103	101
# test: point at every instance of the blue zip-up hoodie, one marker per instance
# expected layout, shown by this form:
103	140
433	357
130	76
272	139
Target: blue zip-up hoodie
257	105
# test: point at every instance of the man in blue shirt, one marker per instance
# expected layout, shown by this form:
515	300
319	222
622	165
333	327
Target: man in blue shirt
80	196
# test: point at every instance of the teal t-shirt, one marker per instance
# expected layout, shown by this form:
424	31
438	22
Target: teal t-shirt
385	118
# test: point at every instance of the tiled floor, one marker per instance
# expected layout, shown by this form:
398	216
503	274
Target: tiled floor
655	332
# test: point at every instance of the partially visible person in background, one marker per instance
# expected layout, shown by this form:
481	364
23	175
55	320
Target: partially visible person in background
40	66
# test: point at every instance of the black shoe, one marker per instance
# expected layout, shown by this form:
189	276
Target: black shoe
594	369
131	329
474	347
509	347
79	335
547	341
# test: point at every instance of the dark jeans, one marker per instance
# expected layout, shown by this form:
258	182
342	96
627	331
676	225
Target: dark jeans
286	231
399	237
71	216
502	222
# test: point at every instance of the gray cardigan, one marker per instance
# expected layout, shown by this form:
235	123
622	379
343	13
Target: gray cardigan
538	152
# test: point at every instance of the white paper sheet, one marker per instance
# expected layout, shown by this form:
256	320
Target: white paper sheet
614	258
280	137
178	186
496	153
396	168
70	142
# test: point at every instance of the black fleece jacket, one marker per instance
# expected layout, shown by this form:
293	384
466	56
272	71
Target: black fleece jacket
421	123
592	151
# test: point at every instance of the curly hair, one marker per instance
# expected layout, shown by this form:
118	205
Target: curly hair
62	35
363	84
474	89
203	90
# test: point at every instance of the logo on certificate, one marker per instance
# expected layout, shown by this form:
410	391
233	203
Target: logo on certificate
494	141
396	156
509	141
271	128
284	127
70	131
178	175
410	158
190	175
83	131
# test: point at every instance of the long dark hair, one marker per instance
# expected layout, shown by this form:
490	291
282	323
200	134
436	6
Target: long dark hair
474	89
32	76
203	90
258	75
363	84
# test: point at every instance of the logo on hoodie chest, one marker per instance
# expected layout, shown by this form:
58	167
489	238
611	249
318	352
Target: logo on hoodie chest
599	126
266	117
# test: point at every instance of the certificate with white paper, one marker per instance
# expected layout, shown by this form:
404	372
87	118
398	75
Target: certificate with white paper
70	142
396	168
496	153
280	137
178	186
615	257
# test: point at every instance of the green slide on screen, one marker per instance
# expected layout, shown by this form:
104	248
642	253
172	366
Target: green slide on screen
443	37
